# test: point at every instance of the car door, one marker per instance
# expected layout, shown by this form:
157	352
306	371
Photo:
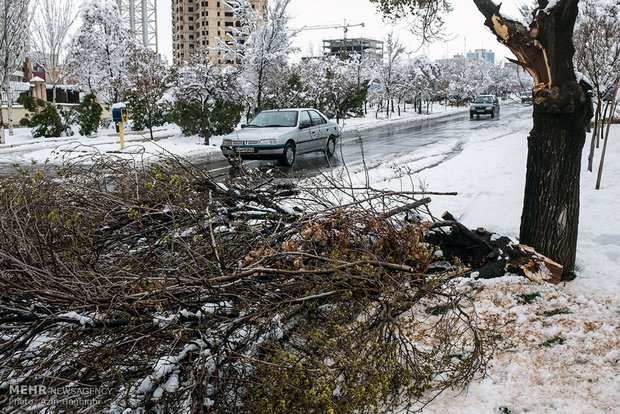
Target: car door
305	140
319	131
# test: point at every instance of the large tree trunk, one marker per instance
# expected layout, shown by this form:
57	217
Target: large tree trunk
550	217
562	109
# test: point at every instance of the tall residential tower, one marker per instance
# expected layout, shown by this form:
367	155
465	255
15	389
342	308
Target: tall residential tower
197	23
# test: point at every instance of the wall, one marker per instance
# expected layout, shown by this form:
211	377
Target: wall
19	112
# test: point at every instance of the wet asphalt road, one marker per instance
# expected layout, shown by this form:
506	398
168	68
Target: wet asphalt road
383	143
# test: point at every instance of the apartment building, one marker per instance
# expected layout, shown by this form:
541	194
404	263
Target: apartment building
197	23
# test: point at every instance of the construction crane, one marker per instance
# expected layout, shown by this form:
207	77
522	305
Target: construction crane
344	27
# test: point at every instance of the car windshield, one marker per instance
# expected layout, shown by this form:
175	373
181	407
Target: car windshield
274	119
484	99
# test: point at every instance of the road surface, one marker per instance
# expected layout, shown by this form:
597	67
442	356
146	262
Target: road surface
383	143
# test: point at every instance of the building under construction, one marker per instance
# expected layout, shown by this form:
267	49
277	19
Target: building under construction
344	48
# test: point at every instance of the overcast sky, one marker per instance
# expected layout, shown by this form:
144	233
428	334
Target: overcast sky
465	23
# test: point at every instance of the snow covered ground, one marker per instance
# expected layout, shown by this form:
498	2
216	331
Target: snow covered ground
23	148
559	346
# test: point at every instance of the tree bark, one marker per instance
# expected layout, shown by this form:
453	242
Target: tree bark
562	109
609	121
2	140
594	135
550	217
602	125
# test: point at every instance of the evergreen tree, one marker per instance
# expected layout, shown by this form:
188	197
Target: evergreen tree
89	115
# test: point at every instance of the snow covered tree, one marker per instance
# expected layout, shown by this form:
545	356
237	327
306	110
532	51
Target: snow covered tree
98	52
597	42
14	24
423	77
52	21
342	94
206	99
387	73
146	82
262	44
562	110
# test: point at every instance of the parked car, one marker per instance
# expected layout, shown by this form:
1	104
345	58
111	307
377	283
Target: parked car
484	105
526	97
281	135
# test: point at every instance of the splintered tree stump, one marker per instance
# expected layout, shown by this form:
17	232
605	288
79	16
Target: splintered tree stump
488	254
539	268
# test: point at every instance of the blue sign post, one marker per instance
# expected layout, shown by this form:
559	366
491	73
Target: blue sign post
119	115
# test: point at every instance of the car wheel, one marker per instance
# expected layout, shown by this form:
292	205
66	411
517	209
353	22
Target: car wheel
288	155
330	148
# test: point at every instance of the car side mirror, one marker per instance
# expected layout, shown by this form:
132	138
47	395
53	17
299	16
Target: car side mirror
243	126
304	125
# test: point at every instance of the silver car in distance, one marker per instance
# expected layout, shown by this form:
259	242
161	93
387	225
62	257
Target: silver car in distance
281	135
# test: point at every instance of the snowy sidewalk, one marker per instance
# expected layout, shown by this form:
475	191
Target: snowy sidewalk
559	346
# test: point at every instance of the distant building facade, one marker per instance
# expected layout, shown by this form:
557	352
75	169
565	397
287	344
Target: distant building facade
197	23
482	54
343	48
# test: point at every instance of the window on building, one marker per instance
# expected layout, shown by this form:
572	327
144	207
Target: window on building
228	24
229	14
190	9
191	27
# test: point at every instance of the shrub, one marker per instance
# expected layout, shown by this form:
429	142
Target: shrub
206	120
43	118
89	115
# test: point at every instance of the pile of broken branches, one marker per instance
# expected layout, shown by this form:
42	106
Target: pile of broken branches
177	292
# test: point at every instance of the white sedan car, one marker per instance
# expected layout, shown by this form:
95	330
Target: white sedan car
282	134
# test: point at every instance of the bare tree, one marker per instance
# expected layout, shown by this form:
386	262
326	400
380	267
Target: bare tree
597	41
53	20
14	23
562	110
